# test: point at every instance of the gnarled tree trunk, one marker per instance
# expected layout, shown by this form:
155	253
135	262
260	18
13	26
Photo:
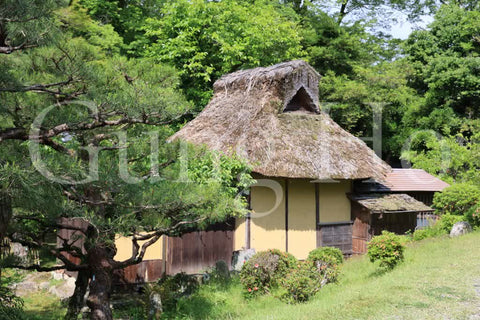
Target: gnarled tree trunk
99	259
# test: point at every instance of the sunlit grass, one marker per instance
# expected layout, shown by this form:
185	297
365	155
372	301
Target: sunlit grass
41	305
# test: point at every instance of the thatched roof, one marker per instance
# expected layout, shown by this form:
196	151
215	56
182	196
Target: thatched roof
271	117
384	203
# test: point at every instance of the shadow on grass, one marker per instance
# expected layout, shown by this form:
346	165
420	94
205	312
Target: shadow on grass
203	303
44	314
379	272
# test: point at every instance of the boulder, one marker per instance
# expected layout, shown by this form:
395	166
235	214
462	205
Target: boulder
460	228
240	257
222	269
155	308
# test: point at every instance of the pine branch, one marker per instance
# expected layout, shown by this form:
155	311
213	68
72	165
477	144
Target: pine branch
10	49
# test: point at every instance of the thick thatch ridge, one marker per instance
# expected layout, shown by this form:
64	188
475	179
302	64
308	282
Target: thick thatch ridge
384	203
245	116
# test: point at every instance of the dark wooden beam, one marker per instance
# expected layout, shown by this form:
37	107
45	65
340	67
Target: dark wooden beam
286	215
317	215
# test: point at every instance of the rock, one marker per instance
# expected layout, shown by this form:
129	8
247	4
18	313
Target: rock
70	282
44	286
85	313
57	275
63	291
460	228
222	269
25	287
240	257
155	310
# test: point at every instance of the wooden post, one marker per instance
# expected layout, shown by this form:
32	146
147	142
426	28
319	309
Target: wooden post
317	215
248	221
286	215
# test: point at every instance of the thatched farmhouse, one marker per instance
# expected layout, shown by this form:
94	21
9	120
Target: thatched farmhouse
317	185
304	162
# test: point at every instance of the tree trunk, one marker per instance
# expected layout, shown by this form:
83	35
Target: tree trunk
77	300
5	213
100	286
5	216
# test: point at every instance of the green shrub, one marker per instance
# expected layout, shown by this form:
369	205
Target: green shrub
428	232
456	199
301	284
441	227
172	288
326	261
446	222
386	248
11	306
328	255
473	216
264	270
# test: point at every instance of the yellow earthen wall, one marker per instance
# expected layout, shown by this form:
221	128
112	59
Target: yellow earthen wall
124	249
334	204
268	231
239	235
301	218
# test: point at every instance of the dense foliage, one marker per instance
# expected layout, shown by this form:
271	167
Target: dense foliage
326	261
386	248
301	283
293	281
457	199
264	271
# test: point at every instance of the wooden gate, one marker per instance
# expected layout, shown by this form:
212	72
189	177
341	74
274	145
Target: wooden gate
361	229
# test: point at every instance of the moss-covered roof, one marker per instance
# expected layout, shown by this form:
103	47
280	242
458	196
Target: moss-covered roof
384	203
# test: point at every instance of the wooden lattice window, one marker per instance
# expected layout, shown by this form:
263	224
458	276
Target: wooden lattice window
338	235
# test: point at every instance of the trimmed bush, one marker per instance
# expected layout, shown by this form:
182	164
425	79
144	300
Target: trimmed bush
446	222
427	232
456	199
172	288
441	227
265	269
473	216
328	255
326	261
301	284
386	248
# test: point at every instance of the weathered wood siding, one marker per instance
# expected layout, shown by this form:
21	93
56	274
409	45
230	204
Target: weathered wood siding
145	271
196	251
71	235
398	223
360	228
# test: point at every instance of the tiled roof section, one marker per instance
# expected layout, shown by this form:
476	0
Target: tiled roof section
384	203
405	180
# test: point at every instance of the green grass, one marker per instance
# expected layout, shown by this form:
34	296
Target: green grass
436	281
42	305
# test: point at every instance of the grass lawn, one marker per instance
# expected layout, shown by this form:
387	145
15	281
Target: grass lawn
440	279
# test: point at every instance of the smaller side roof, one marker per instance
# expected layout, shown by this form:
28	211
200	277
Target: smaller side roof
385	203
405	180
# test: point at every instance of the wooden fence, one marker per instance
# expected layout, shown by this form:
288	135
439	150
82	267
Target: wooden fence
195	251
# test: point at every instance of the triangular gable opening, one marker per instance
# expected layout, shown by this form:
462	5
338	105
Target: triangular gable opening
301	101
